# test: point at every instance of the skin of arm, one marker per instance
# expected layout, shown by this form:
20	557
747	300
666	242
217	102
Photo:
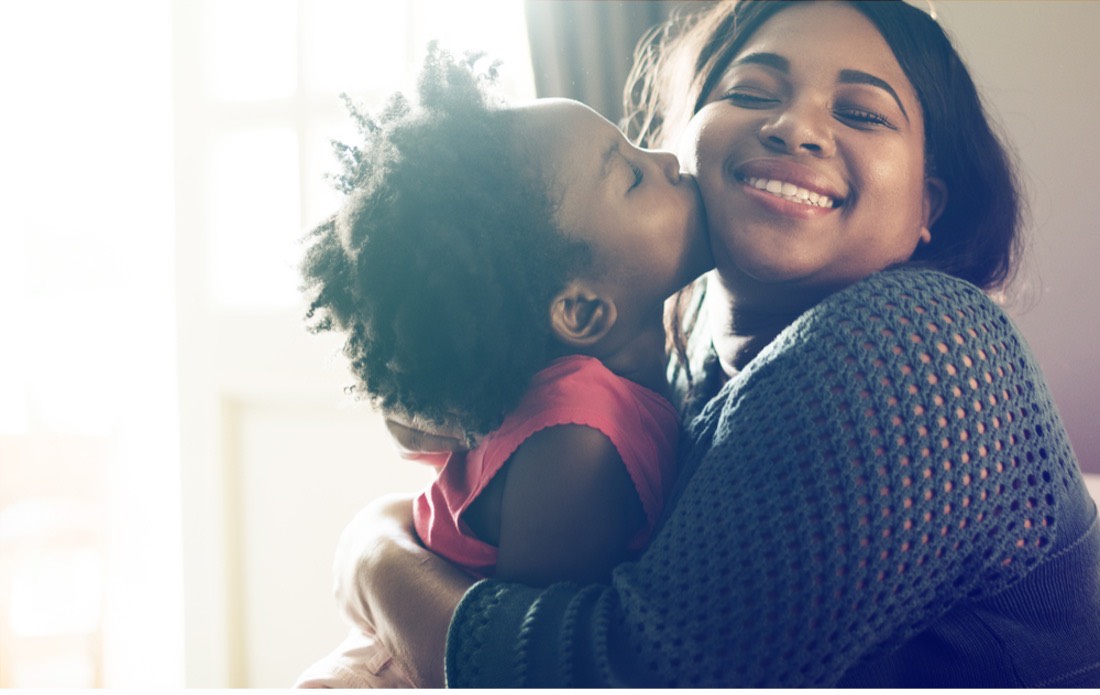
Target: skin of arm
568	508
386	579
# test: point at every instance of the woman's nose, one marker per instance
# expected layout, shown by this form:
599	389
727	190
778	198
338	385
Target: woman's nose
800	128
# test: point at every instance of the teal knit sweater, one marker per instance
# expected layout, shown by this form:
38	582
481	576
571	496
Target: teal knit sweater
885	496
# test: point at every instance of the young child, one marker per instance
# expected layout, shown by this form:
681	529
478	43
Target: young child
502	270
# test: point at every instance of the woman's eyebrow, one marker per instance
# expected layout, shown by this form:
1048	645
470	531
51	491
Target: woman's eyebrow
860	77
771	60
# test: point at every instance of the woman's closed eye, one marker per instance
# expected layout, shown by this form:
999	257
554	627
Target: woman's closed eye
749	99
862	118
639	176
857	116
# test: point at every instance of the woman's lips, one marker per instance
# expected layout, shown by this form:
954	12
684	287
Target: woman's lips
789	191
790	181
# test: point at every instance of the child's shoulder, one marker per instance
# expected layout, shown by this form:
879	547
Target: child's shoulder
584	385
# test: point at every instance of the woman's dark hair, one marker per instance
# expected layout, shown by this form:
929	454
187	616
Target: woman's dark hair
977	237
441	263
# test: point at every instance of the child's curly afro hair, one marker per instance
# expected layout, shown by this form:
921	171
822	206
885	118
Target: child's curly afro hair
443	260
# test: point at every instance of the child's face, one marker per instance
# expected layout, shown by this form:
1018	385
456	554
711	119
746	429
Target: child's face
642	218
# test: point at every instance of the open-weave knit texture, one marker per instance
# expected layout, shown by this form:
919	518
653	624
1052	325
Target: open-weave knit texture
884	496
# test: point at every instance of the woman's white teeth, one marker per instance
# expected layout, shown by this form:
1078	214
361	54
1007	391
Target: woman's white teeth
789	191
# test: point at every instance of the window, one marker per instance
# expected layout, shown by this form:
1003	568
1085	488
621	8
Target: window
271	469
263	102
161	160
89	498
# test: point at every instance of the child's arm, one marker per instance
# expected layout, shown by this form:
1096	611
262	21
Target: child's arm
568	508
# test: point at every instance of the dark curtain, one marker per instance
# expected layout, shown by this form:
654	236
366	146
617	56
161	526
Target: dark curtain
583	49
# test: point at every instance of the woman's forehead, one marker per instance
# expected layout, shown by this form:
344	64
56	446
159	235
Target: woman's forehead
834	38
821	29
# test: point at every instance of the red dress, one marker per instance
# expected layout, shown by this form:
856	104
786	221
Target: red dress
572	390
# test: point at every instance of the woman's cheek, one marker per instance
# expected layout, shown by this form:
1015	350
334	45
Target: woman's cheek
723	241
690	146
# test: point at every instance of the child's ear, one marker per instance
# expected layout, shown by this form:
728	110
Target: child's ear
581	317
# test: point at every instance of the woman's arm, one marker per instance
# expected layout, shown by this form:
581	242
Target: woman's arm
853	485
385	579
564	508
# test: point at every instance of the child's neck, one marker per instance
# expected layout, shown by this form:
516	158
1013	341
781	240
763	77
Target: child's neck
641	357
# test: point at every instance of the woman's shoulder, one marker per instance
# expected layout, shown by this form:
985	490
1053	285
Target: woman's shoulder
899	321
919	382
920	290
892	331
908	305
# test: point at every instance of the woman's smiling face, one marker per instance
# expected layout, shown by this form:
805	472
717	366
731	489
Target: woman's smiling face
809	153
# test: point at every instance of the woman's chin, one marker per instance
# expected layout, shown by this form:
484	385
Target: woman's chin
783	288
770	273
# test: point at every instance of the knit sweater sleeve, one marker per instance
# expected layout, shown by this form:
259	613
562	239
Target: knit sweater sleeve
893	453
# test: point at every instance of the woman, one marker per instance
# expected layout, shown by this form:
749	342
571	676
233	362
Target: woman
877	489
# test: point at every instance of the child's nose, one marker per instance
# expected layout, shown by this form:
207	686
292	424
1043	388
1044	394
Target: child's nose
668	164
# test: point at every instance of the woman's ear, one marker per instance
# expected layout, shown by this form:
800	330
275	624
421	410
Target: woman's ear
581	317
935	200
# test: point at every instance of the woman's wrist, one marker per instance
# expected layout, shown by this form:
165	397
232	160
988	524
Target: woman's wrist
361	550
414	595
387	581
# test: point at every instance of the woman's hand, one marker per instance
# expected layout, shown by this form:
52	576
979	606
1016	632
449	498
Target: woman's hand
384	579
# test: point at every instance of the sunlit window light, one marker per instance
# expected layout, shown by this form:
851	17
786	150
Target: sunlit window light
14	403
353	46
290	69
249	48
79	387
89	256
14	408
495	27
86	282
254	225
57	591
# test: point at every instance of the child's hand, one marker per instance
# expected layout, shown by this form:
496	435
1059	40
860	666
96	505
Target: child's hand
412	437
